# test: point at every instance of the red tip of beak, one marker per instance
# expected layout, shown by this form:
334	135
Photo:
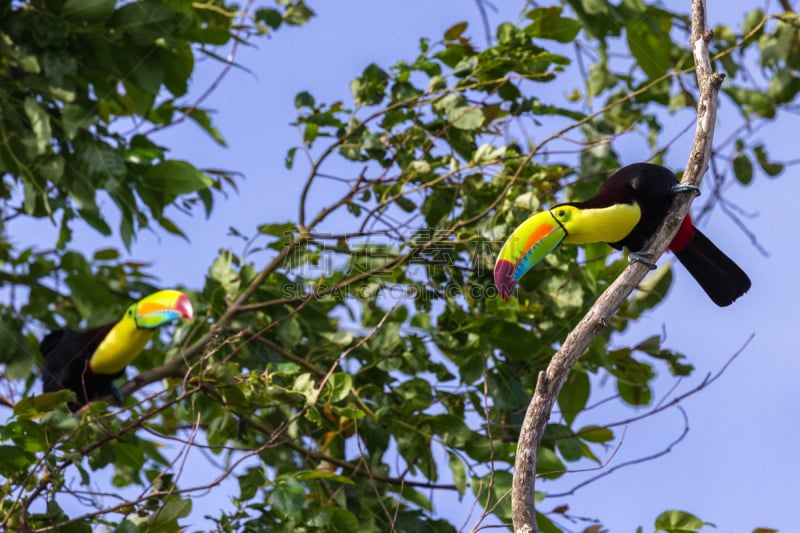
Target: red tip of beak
184	307
503	278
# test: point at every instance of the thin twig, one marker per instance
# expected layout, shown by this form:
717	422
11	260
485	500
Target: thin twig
632	462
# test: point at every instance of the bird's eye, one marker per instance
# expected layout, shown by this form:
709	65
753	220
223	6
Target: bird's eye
561	213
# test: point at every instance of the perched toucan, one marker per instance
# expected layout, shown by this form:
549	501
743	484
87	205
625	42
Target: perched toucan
625	212
88	362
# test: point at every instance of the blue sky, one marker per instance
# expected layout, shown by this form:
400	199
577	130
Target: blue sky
738	465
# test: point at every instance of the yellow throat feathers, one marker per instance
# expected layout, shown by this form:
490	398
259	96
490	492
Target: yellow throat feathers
605	224
121	346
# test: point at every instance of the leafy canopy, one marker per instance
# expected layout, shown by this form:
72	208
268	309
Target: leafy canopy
365	366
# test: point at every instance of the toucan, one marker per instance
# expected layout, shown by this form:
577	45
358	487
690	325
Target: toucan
624	213
88	362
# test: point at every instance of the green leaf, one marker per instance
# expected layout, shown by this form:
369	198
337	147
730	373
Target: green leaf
64	232
339	386
750	101
304	99
340	520
567	444
176	177
290	333
95	220
497	487
171	227
91	297
304	384
297	14
144	150
453	430
783	87
14	460
437	83
40	124
678	522
506	389
278	229
178	66
74	118
250	482
270	17
548	465
370	88
52	168
305	475
634	394
600	78
549	24
203	119
145	21
455	31
752	20
149	77
405	204
646	40
458	471
651	291
128	455
488	153
415	497
166	518
33	406
88	11
287	497
547	526
466	118
416	394
465	66
574	395
126	526
101	160
106	254
459	113
743	169
222	272
597	434
771	169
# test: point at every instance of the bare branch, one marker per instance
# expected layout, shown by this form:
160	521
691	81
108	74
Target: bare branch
632	462
487	29
550	381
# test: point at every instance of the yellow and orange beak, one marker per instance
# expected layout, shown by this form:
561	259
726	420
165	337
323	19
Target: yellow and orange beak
161	308
527	245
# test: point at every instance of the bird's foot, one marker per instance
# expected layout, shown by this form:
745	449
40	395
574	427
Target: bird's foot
643	258
115	392
686	188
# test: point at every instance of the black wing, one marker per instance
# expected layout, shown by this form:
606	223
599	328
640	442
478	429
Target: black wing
66	353
651	182
648	185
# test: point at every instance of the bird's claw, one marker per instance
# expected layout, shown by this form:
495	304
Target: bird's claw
643	258
685	188
115	392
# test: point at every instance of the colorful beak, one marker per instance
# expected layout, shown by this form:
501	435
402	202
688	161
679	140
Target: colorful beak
161	308
527	245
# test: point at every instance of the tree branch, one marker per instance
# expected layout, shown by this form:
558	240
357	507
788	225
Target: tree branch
551	380
636	461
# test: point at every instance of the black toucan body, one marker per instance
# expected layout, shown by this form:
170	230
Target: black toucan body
88	362
624	213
